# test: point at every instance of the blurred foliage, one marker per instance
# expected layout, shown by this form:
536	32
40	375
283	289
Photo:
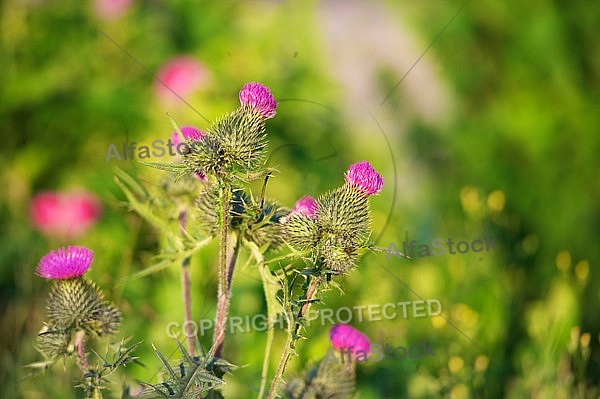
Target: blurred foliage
516	160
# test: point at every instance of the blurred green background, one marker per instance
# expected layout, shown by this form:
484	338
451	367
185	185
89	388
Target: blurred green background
494	131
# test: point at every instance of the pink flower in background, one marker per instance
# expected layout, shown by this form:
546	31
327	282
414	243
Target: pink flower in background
182	75
364	178
258	97
189	132
344	336
306	206
111	9
65	215
65	263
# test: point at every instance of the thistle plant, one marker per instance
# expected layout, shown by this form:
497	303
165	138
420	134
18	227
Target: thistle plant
206	196
330	378
76	313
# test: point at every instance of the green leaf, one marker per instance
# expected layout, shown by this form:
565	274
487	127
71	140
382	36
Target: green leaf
168	166
140	206
131	183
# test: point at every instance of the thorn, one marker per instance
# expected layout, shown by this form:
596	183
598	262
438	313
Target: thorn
229	54
295	54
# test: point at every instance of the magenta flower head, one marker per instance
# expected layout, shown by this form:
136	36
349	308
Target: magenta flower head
364	178
258	97
306	206
189	133
344	336
66	263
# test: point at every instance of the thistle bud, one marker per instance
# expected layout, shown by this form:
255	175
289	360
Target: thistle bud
207	212
235	143
53	342
266	227
300	227
325	380
344	213
74	303
336	225
338	255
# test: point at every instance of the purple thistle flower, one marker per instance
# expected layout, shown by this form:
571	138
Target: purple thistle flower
258	97
306	206
364	178
189	132
65	263
344	336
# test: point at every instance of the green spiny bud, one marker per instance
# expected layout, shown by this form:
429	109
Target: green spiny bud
234	143
301	232
53	342
344	212
105	320
338	256
266	228
77	303
327	380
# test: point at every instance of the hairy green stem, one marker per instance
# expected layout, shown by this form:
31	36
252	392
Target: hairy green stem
264	270
225	270
280	369
293	336
267	357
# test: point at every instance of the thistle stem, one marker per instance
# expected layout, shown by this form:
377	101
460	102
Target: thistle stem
80	348
267	356
264	270
185	285
227	261
293	336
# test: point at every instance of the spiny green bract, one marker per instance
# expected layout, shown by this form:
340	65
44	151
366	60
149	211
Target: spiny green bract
301	232
79	304
344	212
337	255
233	144
53	342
